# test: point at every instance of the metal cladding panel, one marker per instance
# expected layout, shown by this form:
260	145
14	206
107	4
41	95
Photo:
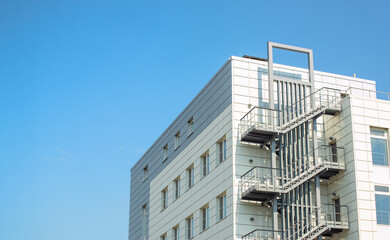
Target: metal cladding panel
211	101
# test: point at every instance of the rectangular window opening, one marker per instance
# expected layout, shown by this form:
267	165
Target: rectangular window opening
164	198
146	172
379	147
177	140
165	152
382	203
190	126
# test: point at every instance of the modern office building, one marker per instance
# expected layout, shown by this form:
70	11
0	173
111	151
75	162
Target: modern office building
269	151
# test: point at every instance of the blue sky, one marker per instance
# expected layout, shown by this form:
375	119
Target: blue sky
88	86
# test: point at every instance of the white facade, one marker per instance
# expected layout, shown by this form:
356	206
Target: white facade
227	215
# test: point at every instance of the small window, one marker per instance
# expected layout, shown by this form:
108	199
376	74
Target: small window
165	152
191	177
164	237
379	147
221	206
190	126
144	220
176	184
145	176
221	150
190	227
381	188
333	148
205	164
382	203
205	216
164	198
177	140
175	233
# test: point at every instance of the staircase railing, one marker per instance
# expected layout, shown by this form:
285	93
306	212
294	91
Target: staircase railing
320	220
321	99
326	217
283	180
262	234
281	120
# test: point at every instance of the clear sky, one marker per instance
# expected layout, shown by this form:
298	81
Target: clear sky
88	86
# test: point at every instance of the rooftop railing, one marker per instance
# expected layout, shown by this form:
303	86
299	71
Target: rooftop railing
368	93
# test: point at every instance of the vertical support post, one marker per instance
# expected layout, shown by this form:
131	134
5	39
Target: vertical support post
270	75
274	203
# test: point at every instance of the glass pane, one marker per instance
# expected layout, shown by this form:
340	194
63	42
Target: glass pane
381	189
382	209
379	151
377	132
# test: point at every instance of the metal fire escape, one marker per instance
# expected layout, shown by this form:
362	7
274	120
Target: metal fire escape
292	182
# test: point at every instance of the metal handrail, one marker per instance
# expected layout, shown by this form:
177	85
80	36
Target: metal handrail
328	215
278	179
337	217
324	97
278	120
371	93
259	108
260	234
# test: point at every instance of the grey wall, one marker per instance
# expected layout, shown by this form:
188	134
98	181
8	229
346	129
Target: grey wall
215	97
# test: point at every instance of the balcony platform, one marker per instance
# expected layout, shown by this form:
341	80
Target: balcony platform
254	194
256	135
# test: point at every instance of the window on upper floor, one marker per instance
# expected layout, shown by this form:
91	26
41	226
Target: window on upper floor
144	221
175	233
379	147
204	217
146	172
205	164
164	237
190	126
177	140
176	184
190	227
165	152
382	203
221	206
221	150
190	176
164	198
